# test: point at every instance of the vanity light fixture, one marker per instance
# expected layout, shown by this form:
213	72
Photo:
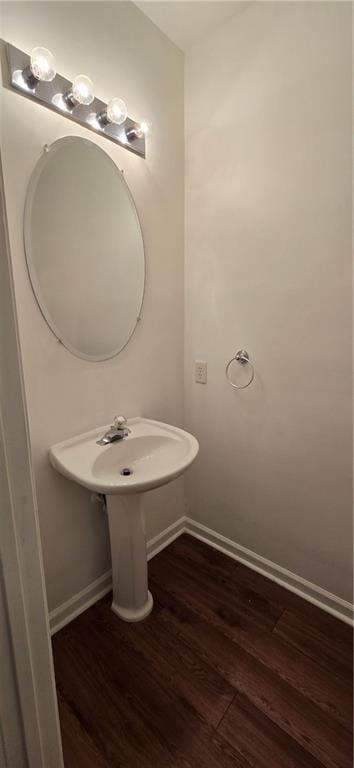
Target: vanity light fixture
140	130
81	92
40	68
34	76
115	112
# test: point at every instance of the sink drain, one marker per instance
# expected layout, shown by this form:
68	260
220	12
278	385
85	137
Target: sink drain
126	472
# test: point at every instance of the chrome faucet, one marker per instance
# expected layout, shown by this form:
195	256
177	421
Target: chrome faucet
117	431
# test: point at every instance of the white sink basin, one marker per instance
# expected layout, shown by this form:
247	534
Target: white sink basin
154	453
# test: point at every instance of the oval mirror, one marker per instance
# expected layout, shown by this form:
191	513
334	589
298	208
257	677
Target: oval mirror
84	248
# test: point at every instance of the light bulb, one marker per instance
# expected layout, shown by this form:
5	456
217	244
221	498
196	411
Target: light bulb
81	91
42	64
115	112
141	129
41	67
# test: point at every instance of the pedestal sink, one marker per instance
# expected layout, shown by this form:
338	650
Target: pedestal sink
151	455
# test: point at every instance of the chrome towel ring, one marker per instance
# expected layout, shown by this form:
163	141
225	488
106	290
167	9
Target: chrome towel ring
243	358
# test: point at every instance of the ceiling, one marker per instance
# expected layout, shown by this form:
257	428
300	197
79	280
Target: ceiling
187	21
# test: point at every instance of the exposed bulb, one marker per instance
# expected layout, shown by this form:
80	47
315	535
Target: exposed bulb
42	64
81	91
144	128
41	67
116	111
140	129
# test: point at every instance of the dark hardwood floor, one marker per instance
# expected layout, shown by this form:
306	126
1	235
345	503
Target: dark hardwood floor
229	670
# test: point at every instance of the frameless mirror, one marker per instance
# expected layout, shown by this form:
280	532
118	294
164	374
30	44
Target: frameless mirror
84	248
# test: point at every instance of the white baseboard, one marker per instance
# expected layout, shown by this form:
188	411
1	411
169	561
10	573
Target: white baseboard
334	605
79	603
166	537
338	607
72	608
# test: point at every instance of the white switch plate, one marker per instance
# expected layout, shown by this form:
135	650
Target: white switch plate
201	372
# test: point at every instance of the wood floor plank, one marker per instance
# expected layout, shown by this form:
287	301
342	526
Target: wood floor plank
251	579
328	630
332	650
262	743
223	583
178	736
331	694
119	735
229	671
173	666
316	731
78	747
228	571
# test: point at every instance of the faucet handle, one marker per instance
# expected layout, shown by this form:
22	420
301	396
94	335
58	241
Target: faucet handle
119	422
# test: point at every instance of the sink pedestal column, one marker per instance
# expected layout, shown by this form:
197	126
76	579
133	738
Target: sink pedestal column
132	600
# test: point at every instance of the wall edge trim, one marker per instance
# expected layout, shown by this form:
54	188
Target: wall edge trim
327	601
314	594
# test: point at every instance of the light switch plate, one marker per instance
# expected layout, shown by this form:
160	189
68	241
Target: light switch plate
201	372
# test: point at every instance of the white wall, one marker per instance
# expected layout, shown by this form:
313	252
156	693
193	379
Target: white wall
127	56
268	267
